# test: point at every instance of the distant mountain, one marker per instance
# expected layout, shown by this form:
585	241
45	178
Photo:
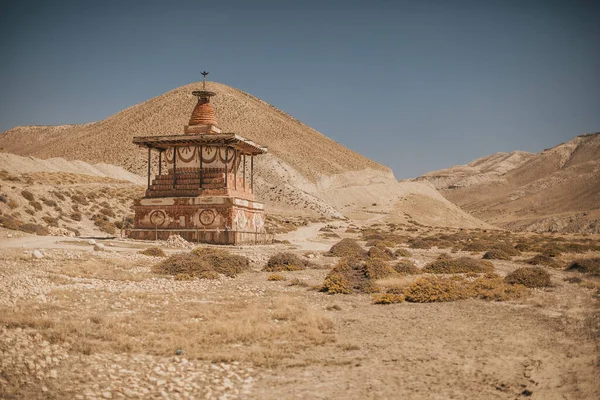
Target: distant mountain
304	172
556	190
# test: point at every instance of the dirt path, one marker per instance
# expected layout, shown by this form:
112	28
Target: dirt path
306	238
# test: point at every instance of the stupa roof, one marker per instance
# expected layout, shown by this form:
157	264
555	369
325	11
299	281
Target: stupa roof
215	139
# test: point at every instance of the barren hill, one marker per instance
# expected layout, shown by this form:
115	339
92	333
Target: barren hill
304	172
555	190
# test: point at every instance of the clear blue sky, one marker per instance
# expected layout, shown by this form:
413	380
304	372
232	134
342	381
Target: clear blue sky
415	85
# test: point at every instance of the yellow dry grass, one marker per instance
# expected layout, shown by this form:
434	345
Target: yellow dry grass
262	331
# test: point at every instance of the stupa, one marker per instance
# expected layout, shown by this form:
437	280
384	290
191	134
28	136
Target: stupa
206	192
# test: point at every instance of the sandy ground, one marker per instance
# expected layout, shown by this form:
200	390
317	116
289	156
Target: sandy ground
539	347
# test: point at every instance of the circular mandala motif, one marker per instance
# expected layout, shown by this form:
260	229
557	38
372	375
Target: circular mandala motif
207	217
158	217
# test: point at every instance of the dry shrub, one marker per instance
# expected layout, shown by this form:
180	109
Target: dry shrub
439	289
202	263
153	252
276	277
50	203
506	248
298	282
347	248
108	212
406	267
377	269
402	252
58	195
347	276
496	254
27	195
388	298
475	247
285	262
430	289
34	228
381	253
531	277
448	265
543	259
524	246
75	216
493	287
185	266
441	242
222	261
51	221
586	265
36	205
10	222
552	250
79	199
381	243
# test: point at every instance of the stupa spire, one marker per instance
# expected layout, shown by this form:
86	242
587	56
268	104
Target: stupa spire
203	118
